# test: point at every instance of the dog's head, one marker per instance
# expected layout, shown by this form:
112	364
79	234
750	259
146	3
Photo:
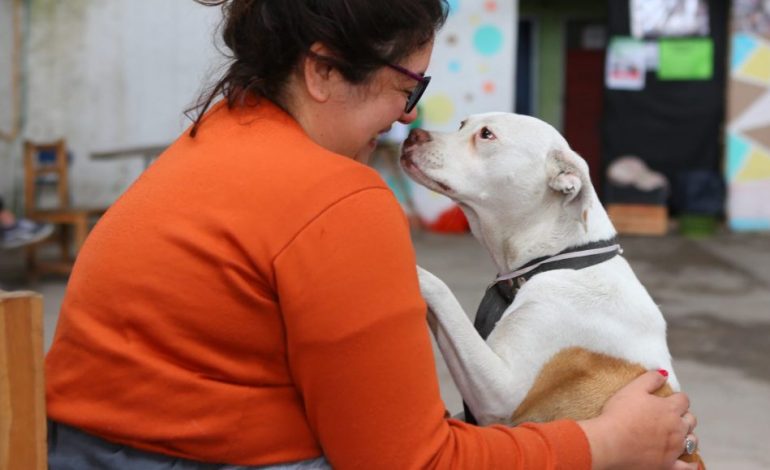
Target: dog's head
501	162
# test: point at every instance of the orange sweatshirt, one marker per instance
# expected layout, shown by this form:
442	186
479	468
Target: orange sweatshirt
252	299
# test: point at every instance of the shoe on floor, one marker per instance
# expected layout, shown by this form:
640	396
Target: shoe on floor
24	232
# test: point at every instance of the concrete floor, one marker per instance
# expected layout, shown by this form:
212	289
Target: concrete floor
715	294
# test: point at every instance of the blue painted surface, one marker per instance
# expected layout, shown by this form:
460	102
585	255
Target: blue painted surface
737	153
488	40
750	225
454	5
742	47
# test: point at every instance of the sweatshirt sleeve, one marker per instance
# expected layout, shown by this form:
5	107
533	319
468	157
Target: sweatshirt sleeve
360	354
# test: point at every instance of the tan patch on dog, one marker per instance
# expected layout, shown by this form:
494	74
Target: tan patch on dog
576	383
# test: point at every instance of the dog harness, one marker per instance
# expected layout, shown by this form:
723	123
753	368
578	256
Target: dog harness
501	293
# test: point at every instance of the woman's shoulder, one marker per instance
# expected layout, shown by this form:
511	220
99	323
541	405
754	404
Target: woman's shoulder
263	137
264	157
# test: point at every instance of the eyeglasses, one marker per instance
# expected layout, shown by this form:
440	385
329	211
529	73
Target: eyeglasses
416	94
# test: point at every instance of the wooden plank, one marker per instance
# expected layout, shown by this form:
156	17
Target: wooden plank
22	389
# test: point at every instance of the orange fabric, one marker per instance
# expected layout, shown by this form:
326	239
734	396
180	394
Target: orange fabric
253	299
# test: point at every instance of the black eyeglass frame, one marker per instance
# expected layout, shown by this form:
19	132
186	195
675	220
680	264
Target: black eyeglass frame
416	94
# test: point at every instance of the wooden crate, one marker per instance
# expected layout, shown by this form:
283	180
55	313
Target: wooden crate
639	219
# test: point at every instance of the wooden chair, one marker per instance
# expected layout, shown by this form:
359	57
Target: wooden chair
72	223
23	440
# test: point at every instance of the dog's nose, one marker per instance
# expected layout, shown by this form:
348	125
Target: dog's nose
417	136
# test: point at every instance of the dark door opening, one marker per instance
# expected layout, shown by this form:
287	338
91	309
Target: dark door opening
525	57
583	92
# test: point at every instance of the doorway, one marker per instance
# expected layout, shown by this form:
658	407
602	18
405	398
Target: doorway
583	91
525	92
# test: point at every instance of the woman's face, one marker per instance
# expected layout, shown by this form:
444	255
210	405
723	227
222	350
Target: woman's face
360	113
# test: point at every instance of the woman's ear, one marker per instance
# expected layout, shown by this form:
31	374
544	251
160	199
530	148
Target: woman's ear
318	74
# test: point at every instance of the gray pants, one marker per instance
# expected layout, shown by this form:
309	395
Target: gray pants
71	449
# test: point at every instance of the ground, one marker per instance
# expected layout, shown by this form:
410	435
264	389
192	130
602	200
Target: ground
714	293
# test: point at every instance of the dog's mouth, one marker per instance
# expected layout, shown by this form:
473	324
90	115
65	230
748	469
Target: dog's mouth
414	172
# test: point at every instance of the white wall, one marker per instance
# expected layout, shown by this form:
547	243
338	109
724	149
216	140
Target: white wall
6	95
109	74
6	54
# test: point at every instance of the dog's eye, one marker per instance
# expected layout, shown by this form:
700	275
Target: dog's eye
462	124
486	134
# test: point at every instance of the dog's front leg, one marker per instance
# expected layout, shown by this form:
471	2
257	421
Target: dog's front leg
485	382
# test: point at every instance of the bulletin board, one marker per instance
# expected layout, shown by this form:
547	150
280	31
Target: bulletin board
665	93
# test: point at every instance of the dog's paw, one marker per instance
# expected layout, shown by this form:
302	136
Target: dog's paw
431	287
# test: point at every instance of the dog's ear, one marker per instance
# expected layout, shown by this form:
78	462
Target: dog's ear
568	174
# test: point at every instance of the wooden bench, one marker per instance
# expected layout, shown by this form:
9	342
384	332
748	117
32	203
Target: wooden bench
22	390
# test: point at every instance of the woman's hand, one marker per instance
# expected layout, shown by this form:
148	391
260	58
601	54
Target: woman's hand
638	430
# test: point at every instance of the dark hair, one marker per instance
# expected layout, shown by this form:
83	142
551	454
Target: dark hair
267	38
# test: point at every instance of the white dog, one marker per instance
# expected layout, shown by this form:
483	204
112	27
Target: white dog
581	324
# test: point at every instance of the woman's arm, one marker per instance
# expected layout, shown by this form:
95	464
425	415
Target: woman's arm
360	355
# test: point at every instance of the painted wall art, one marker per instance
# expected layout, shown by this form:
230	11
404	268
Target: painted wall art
473	72
747	164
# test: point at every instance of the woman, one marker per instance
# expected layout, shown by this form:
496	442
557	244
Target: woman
252	300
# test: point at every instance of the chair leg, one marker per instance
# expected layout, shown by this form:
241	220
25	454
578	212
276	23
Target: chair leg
81	231
33	273
64	243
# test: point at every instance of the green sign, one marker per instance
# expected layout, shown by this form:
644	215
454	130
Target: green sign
686	59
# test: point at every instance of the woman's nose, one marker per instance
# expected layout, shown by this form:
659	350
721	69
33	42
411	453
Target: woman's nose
408	118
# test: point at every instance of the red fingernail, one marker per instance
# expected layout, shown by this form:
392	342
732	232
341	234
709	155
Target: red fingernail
663	372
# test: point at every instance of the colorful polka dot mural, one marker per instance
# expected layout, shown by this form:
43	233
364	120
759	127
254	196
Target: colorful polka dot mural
472	72
439	109
488	40
454	5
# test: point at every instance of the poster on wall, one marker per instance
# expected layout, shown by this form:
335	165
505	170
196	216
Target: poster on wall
669	18
626	64
686	59
752	16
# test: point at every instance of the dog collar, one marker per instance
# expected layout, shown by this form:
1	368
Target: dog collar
500	294
579	257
